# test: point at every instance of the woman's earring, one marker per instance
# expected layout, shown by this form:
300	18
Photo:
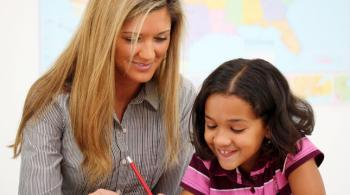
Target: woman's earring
164	60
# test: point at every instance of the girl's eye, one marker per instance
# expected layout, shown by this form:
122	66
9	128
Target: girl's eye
211	126
238	130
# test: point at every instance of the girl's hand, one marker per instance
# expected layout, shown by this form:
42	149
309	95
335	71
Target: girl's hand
105	192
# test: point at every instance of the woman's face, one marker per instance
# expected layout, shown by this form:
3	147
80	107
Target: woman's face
232	131
139	66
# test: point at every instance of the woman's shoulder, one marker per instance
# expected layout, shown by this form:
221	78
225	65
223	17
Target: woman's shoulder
50	121
187	95
55	112
187	88
59	103
62	99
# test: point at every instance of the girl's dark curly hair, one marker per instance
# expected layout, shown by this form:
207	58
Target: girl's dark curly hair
287	117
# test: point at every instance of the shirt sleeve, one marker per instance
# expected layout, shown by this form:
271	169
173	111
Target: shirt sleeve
169	182
40	171
306	151
196	179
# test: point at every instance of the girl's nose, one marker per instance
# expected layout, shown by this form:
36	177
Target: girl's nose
222	138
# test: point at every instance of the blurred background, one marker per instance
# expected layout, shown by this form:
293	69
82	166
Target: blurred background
309	41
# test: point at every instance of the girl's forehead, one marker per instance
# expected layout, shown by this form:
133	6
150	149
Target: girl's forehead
229	107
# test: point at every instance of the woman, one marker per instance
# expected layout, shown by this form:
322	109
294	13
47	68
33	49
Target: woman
114	92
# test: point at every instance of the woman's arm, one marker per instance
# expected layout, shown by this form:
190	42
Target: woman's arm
306	179
169	183
40	171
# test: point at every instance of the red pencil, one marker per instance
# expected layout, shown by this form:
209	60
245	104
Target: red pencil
138	175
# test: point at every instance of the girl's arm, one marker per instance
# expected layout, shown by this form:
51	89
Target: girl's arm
185	192
306	179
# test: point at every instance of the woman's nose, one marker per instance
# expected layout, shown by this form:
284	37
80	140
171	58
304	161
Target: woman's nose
147	51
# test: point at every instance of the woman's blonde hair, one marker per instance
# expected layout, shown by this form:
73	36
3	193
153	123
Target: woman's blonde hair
86	68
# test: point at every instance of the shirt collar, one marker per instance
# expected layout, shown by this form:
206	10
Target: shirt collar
216	169
237	175
148	93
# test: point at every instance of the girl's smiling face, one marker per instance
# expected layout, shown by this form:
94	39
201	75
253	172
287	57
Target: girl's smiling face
232	131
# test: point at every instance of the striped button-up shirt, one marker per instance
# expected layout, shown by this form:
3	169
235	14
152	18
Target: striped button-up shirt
51	160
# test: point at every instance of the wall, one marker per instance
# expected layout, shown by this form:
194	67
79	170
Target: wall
19	62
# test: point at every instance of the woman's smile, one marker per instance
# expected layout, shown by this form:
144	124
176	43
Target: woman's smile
142	66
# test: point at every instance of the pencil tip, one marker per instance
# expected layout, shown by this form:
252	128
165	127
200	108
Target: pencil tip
129	159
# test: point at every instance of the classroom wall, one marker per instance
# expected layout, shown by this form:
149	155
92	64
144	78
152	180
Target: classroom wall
19	62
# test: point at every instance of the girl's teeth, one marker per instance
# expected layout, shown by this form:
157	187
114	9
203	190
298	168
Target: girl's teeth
223	151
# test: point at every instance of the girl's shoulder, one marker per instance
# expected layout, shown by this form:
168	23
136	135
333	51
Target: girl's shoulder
306	151
198	168
198	161
196	178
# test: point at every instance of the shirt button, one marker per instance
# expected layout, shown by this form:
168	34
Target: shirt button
124	162
124	130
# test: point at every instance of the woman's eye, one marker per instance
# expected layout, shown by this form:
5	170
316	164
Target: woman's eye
131	39
160	39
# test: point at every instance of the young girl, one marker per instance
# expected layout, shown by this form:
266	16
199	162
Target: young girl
250	135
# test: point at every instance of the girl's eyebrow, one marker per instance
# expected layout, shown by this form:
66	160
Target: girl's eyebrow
230	120
208	117
236	120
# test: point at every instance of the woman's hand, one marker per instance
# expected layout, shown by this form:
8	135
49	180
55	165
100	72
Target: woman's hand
105	192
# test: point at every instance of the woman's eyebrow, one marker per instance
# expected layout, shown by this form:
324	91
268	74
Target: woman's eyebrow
135	33
163	32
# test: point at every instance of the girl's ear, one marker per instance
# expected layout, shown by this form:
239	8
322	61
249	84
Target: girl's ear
268	133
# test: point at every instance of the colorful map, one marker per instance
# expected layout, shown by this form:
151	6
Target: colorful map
309	43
